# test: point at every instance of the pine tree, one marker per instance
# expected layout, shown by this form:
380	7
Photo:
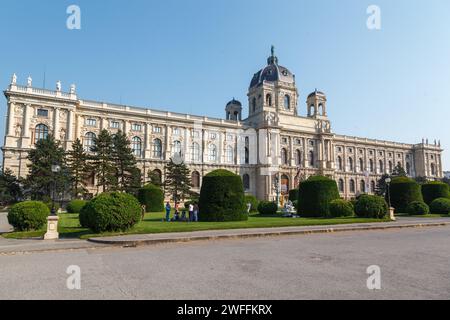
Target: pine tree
41	181
381	187
124	162
10	188
399	171
103	162
77	163
178	181
155	179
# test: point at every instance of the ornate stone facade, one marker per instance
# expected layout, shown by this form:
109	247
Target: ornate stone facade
272	149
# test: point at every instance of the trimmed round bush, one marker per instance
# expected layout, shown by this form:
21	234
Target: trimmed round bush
222	197
341	208
440	206
404	191
417	208
293	195
75	206
267	208
369	206
315	195
115	211
254	202
28	215
434	190
152	197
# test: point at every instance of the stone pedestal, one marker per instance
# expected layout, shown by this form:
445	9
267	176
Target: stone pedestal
391	214
52	228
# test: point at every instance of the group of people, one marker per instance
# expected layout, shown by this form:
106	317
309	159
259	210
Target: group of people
192	209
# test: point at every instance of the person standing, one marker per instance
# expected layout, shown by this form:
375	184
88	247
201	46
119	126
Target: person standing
168	208
196	212
191	212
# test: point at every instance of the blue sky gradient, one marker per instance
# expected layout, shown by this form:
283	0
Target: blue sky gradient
194	56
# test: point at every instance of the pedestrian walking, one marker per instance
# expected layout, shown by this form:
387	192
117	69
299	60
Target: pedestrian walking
195	212
191	212
168	208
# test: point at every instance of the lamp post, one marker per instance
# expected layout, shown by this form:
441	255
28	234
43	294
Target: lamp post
52	220
277	189
388	181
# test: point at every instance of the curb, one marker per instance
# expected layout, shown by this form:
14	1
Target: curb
143	242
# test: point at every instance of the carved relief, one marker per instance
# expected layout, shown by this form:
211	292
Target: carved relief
18	110
63	115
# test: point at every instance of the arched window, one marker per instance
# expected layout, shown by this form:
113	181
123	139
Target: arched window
311	159
246	181
371	165
372	186
157	149
321	109
177	148
287	102
212	153
195	178
247	155
40	132
433	169
284	157
157	175
229	154
339	163
136	146
341	185
390	167
254	104
408	168
298	157
361	165
269	99
362	186
195	152
89	141
350	164
352	186
381	164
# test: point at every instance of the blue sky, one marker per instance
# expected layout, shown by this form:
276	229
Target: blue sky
194	56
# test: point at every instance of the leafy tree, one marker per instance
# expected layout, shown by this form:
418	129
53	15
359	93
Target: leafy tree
10	188
79	168
399	171
103	163
124	162
178	181
135	182
41	180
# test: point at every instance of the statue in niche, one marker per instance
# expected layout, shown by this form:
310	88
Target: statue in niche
62	135
18	130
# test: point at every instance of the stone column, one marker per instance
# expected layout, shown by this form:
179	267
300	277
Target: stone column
26	137
147	149
10	126
70	115
56	125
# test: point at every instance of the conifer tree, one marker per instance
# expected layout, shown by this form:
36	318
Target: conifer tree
103	162
124	162
178	181
78	165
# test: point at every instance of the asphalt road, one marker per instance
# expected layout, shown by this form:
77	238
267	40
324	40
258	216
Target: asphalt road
415	264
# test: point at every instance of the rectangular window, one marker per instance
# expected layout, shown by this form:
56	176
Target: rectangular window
136	127
195	134
115	124
91	122
157	129
42	113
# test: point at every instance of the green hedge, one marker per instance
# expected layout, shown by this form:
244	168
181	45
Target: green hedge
404	191
341	208
315	195
28	215
75	206
440	206
267	208
152	197
417	208
369	206
115	211
254	202
435	190
293	195
222	197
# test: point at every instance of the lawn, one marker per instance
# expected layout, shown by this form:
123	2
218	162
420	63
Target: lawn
69	226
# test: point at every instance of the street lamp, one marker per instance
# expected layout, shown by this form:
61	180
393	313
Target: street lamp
55	169
388	183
